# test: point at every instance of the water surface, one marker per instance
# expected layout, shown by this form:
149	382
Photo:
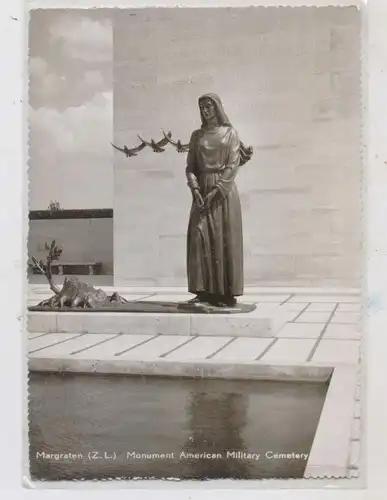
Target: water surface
119	426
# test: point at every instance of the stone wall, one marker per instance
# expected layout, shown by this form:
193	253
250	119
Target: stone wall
289	80
83	240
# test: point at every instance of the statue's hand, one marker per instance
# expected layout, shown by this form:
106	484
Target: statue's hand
198	198
209	198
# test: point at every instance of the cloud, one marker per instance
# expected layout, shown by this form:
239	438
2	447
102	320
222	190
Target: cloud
81	129
43	83
94	78
71	111
84	38
38	66
63	89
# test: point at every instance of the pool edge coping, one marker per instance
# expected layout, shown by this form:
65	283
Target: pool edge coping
331	448
211	368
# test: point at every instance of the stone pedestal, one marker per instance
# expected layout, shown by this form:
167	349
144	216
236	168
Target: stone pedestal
256	323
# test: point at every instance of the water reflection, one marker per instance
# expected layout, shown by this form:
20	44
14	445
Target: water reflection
142	416
216	423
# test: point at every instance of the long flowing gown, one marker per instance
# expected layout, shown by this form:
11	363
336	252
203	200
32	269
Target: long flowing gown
214	238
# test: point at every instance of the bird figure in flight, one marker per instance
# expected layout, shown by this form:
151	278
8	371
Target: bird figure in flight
180	148
130	152
158	147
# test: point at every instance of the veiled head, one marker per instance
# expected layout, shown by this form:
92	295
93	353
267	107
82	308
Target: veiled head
211	106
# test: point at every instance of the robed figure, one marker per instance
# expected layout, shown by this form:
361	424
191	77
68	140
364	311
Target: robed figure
214	239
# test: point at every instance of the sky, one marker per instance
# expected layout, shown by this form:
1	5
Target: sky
105	75
70	109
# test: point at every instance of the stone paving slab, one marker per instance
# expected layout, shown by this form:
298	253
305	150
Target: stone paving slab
290	316
323	307
337	351
200	348
164	297
73	344
301	330
290	350
294	306
349	308
344	299
313	317
157	348
243	349
264	307
41	342
109	350
278	298
346	317
36	334
342	332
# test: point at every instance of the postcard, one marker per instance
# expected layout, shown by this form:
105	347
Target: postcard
194	246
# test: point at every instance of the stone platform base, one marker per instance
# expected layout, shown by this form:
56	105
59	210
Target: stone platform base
149	306
256	323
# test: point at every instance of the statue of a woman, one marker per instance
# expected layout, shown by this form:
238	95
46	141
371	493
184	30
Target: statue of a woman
214	240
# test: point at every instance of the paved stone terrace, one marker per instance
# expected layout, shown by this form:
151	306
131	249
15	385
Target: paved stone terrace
322	329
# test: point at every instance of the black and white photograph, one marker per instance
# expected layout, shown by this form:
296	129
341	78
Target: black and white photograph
194	243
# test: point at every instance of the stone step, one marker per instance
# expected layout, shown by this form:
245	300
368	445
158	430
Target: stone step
262	322
211	368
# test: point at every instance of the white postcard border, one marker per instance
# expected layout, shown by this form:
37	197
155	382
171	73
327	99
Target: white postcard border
375	247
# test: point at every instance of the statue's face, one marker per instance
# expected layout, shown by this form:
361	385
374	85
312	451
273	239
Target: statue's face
208	109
